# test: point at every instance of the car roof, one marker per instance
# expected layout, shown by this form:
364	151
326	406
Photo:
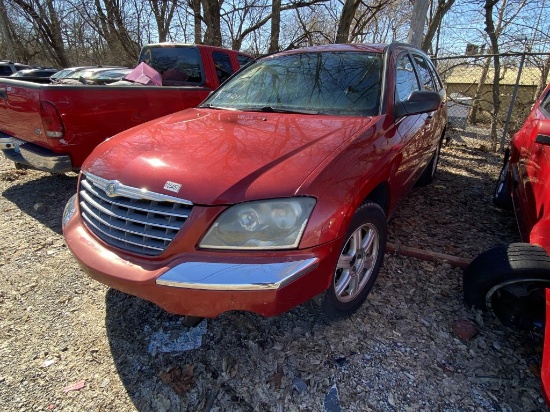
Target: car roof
349	47
372	48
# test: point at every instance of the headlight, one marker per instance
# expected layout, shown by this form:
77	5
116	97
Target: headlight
70	209
268	224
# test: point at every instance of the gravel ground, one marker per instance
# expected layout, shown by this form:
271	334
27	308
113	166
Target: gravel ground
68	343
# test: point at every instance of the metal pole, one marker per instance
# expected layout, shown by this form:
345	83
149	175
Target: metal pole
513	100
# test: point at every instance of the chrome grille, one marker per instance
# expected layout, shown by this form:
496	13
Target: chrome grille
129	218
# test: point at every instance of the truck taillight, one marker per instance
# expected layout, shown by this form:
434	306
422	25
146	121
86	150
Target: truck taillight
53	126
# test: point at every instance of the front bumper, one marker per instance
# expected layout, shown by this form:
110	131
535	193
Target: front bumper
208	284
34	156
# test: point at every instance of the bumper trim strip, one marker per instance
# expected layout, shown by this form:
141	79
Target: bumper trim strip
244	276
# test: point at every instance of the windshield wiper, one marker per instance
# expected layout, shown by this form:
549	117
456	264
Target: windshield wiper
275	109
210	106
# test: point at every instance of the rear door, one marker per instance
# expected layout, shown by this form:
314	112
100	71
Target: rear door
434	121
410	128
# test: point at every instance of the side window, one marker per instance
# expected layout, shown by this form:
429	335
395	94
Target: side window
437	80
545	105
5	70
424	73
405	78
222	62
244	60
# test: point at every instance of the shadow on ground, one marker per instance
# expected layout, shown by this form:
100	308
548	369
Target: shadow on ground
43	198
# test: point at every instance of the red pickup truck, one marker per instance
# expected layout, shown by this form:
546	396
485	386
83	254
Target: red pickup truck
54	127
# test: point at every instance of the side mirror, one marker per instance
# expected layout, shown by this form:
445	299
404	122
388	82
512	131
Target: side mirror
420	101
543	132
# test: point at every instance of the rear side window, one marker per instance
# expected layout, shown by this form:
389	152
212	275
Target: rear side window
437	80
176	65
405	78
424	73
222	62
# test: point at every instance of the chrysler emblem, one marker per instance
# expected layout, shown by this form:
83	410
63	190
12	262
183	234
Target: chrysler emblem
111	189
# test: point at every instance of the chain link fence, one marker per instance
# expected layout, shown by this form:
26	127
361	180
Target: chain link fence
469	81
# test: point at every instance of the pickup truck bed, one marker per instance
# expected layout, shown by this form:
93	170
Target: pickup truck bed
89	115
55	127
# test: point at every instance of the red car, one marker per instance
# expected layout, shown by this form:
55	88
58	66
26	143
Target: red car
511	279
275	190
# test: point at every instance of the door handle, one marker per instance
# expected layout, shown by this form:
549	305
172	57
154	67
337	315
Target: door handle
3	93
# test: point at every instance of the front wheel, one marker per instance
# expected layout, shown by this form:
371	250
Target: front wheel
359	262
510	280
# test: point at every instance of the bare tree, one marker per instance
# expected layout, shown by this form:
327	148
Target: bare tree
365	16
197	19
418	20
44	18
348	13
493	38
257	23
212	19
6	32
434	22
163	10
110	23
275	26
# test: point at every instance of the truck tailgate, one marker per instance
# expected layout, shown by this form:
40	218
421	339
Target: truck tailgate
20	111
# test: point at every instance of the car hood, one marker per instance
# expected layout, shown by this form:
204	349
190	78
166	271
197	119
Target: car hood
224	157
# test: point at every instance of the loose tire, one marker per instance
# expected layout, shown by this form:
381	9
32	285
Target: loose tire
359	262
510	280
502	195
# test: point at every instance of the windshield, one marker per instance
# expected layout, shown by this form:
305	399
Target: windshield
336	83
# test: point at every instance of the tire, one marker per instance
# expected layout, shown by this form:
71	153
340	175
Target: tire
428	174
360	260
502	195
510	280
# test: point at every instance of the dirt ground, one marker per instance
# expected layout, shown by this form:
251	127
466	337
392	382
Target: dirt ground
68	343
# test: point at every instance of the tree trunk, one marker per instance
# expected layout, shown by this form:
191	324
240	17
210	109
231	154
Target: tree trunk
113	29
197	19
348	12
163	10
442	9
6	32
472	116
418	20
275	26
46	21
212	19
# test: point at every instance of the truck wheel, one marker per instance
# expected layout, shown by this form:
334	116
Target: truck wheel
502	195
359	262
428	174
510	280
